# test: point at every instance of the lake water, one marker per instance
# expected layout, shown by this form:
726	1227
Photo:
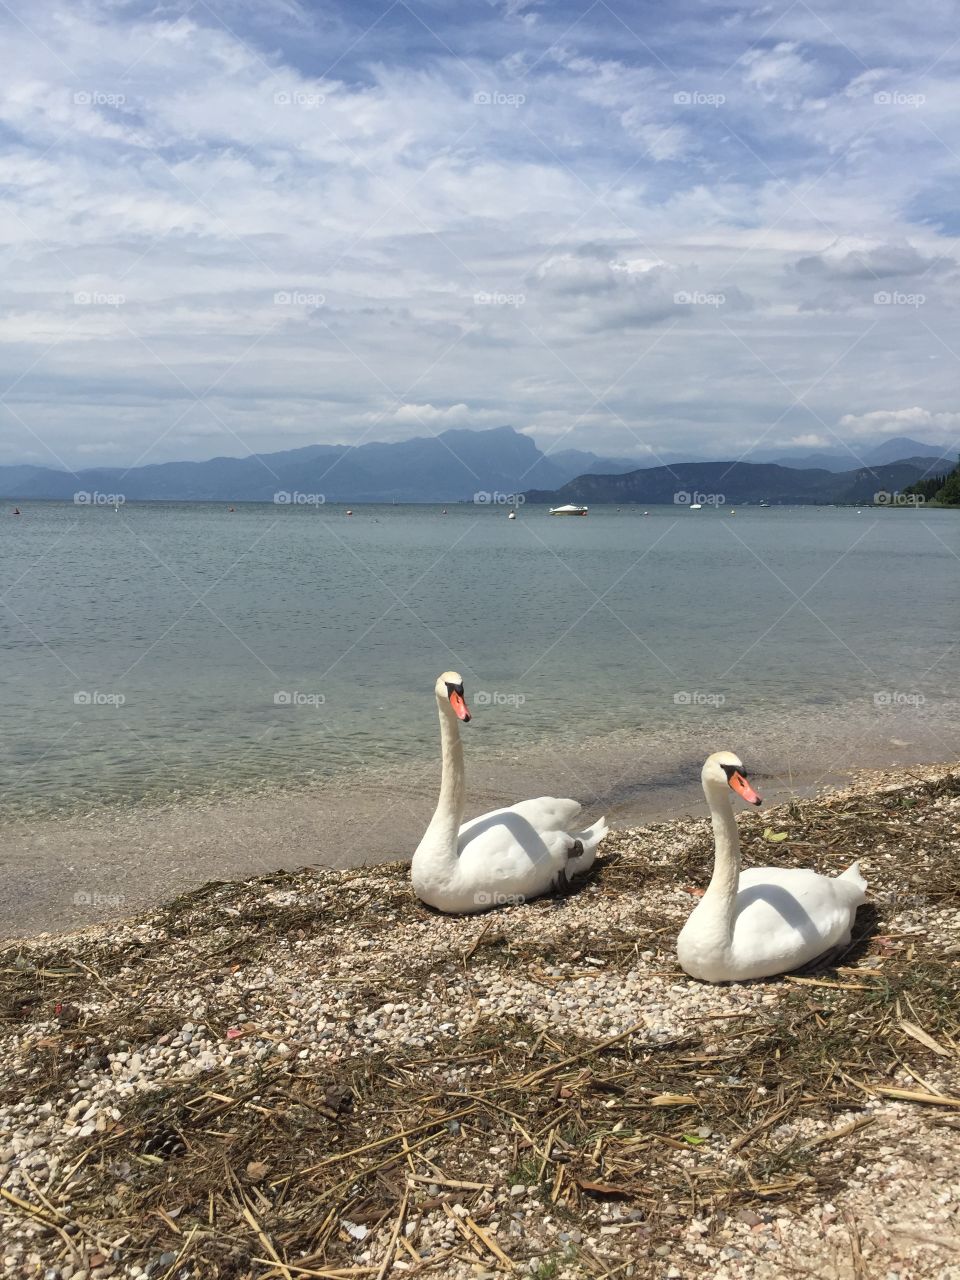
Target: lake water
178	649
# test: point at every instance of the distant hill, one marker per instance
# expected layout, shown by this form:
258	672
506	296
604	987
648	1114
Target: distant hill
738	482
444	468
896	449
457	464
579	462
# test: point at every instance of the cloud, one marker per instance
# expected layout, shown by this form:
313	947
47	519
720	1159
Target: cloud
938	428
300	212
781	75
873	262
810	440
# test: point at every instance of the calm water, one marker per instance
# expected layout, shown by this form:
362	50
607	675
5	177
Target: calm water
290	645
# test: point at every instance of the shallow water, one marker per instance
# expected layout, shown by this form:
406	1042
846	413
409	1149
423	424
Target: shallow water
174	650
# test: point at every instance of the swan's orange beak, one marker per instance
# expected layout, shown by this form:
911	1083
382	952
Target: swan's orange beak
459	705
743	789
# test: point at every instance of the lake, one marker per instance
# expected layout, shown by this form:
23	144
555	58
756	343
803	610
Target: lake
175	650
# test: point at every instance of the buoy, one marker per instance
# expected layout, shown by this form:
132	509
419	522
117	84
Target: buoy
349	512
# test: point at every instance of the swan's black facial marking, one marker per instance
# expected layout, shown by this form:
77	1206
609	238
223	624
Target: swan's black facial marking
458	700
731	769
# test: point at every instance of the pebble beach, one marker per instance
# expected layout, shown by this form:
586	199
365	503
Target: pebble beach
311	1074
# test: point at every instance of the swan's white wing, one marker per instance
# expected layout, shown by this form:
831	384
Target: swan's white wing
511	838
547	813
791	915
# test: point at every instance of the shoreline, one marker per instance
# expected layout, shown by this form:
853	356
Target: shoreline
536	1087
108	864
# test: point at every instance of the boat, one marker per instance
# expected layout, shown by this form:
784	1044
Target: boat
696	506
571	509
512	515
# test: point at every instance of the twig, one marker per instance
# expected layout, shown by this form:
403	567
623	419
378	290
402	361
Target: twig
453	1183
913	1095
384	1142
526	1081
489	1241
842	1132
265	1241
387	1262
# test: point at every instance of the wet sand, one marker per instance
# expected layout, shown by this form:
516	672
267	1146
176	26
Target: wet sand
108	864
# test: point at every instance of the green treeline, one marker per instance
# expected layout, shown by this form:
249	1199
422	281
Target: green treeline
942	489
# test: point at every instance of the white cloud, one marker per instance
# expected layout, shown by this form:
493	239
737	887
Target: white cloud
201	171
937	428
781	75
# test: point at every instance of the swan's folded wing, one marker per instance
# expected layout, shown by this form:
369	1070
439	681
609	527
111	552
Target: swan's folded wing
506	841
793	901
547	813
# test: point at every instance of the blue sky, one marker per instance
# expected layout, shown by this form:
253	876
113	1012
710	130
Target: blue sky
631	228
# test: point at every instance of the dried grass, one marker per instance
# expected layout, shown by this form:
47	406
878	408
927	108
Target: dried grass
253	1169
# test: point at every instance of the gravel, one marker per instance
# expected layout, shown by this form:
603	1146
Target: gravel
342	982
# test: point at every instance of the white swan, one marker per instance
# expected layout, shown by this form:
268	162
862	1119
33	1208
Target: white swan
765	920
505	856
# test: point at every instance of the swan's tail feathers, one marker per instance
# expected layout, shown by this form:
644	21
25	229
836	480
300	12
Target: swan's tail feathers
853	877
585	848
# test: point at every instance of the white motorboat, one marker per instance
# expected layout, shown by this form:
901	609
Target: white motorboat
571	509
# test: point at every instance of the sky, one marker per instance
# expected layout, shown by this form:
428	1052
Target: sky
633	228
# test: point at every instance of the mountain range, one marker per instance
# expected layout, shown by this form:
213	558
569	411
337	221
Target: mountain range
838	459
444	468
459	463
729	483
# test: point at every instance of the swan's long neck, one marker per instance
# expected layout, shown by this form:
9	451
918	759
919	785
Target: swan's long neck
719	901
445	824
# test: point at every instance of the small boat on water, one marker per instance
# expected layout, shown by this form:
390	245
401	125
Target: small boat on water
696	506
571	509
511	515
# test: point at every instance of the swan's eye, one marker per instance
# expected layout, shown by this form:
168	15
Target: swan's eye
731	769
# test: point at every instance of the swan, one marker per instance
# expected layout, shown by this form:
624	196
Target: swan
505	856
765	920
